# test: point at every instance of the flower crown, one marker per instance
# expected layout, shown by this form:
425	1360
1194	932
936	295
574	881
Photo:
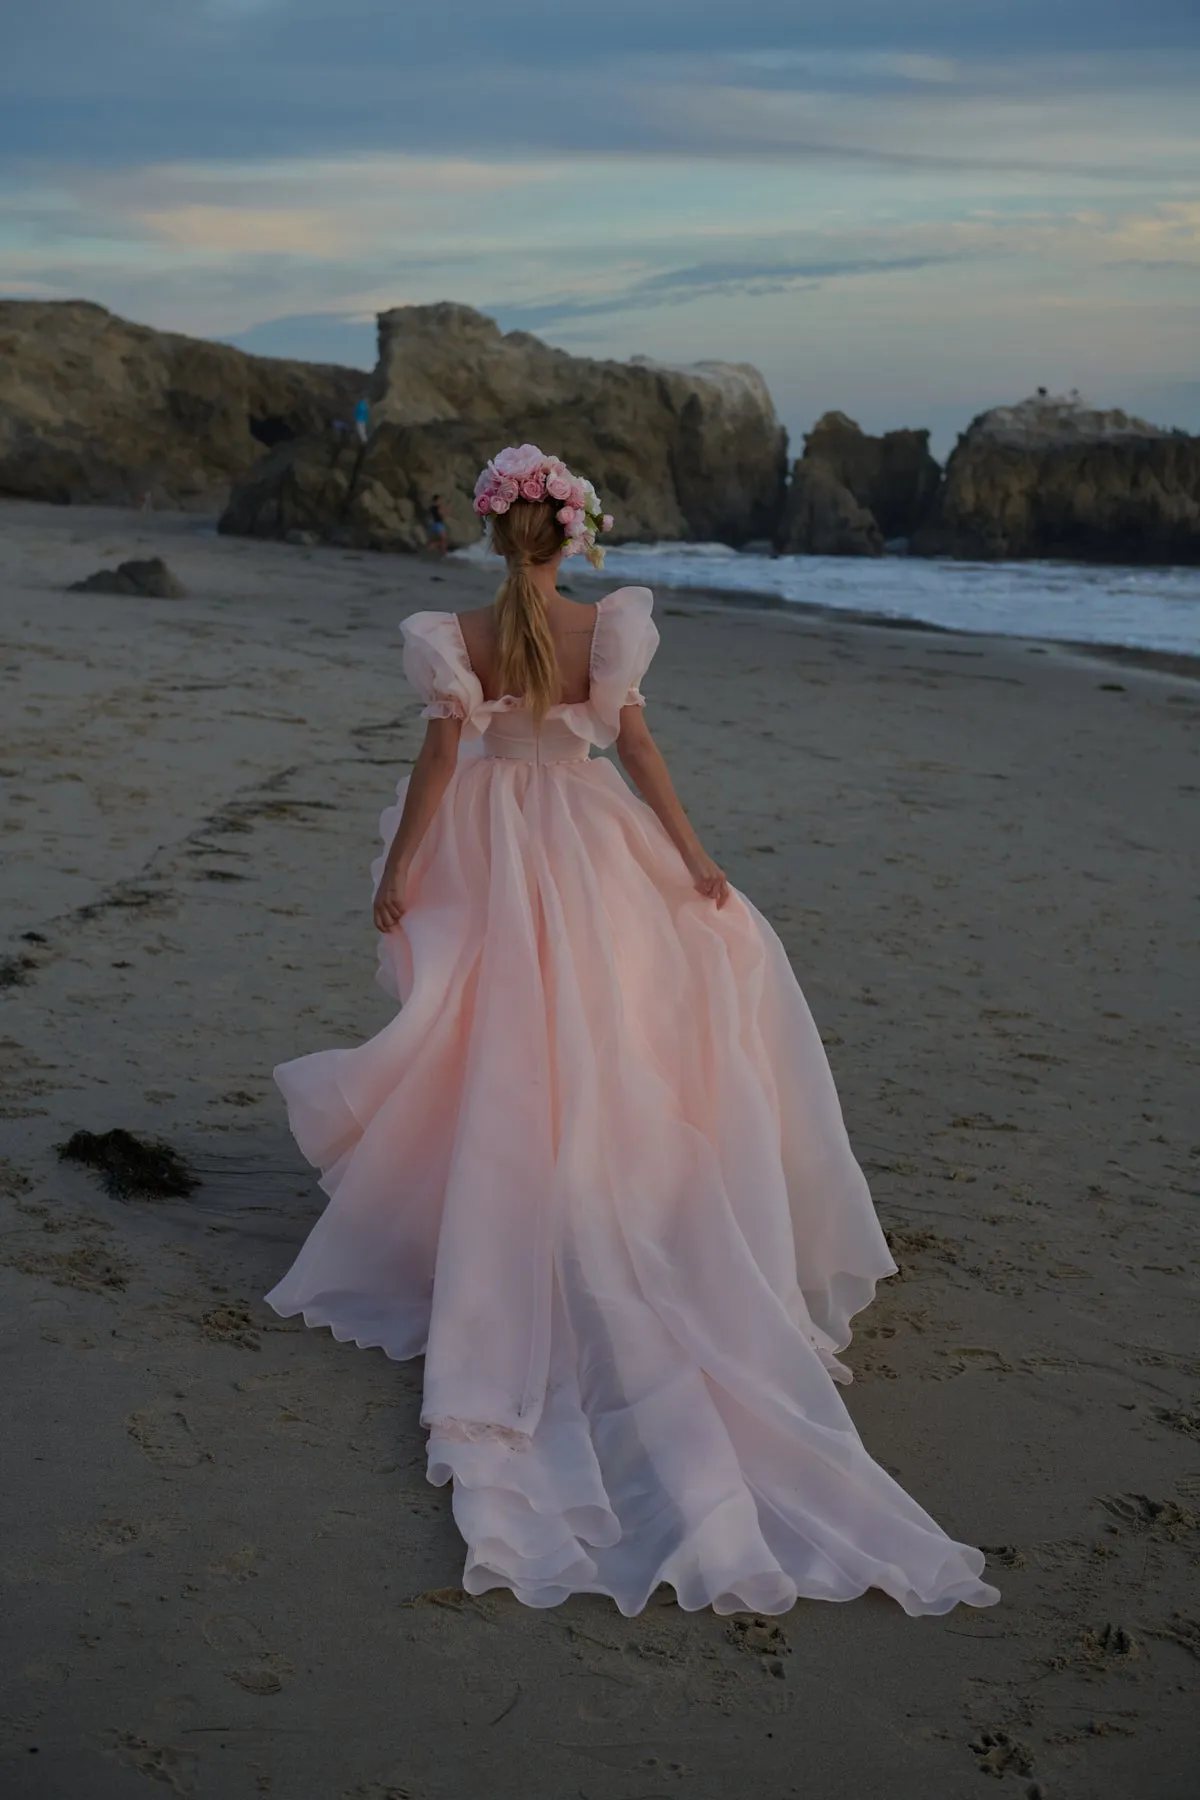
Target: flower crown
521	472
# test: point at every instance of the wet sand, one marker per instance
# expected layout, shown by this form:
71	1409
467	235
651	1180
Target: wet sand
223	1570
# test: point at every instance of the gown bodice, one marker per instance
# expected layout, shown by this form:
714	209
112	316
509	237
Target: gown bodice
438	666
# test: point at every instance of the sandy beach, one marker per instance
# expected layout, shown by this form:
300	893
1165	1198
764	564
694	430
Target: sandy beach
223	1571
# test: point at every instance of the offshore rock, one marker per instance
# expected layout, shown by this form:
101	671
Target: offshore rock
675	452
893	476
822	517
93	408
1053	477
850	492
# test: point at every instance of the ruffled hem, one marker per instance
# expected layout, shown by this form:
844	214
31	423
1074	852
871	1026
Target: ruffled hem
547	1521
538	1518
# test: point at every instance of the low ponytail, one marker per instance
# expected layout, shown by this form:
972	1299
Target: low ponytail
528	662
527	535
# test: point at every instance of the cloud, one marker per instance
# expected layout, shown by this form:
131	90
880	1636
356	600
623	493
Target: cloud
678	287
140	80
229	230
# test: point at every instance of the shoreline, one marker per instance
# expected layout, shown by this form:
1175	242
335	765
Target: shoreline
1166	662
193	526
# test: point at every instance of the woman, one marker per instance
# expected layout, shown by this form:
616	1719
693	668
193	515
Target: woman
595	1169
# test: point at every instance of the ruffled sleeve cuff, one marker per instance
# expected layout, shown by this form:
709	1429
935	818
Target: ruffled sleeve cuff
625	641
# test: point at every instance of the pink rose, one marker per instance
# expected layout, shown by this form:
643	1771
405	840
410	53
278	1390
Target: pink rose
509	488
483	504
519	460
606	523
533	487
498	504
558	486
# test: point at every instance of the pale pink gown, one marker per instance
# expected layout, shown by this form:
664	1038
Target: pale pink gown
595	1171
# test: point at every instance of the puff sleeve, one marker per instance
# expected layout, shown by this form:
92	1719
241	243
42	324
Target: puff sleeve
437	666
624	645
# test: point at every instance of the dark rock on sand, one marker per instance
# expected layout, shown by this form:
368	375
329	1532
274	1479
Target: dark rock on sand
130	1166
150	577
93	408
1052	477
674	452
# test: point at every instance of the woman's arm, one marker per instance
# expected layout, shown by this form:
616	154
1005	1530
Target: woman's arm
643	762
430	778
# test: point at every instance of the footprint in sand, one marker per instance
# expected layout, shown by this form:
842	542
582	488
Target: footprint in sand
1179	1629
763	1638
1007	1556
239	1565
268	1675
165	1436
1110	1643
999	1754
232	1324
1179	1418
1161	1519
256	1670
162	1763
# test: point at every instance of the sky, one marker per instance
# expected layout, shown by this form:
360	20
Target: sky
906	209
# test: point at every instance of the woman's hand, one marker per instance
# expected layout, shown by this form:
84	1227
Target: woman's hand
389	897
708	879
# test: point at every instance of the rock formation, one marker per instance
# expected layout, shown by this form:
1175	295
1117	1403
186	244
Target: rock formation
850	492
894	477
675	452
822	517
93	408
1052	477
330	488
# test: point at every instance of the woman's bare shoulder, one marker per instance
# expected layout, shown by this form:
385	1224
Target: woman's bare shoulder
477	625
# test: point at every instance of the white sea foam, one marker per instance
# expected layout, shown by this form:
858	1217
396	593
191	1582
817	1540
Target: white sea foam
1148	608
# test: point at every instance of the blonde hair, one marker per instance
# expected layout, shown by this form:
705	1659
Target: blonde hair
526	536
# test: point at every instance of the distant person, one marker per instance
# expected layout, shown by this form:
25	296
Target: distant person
437	527
362	419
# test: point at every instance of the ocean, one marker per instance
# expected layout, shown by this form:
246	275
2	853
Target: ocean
1146	608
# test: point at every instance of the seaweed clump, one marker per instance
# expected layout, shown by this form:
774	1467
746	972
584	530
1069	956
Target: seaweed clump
131	1167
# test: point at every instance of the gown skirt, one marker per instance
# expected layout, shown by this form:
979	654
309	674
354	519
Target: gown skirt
595	1171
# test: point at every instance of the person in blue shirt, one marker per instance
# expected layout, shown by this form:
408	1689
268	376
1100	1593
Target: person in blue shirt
436	522
362	419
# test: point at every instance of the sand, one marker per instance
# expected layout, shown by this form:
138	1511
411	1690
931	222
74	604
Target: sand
223	1570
